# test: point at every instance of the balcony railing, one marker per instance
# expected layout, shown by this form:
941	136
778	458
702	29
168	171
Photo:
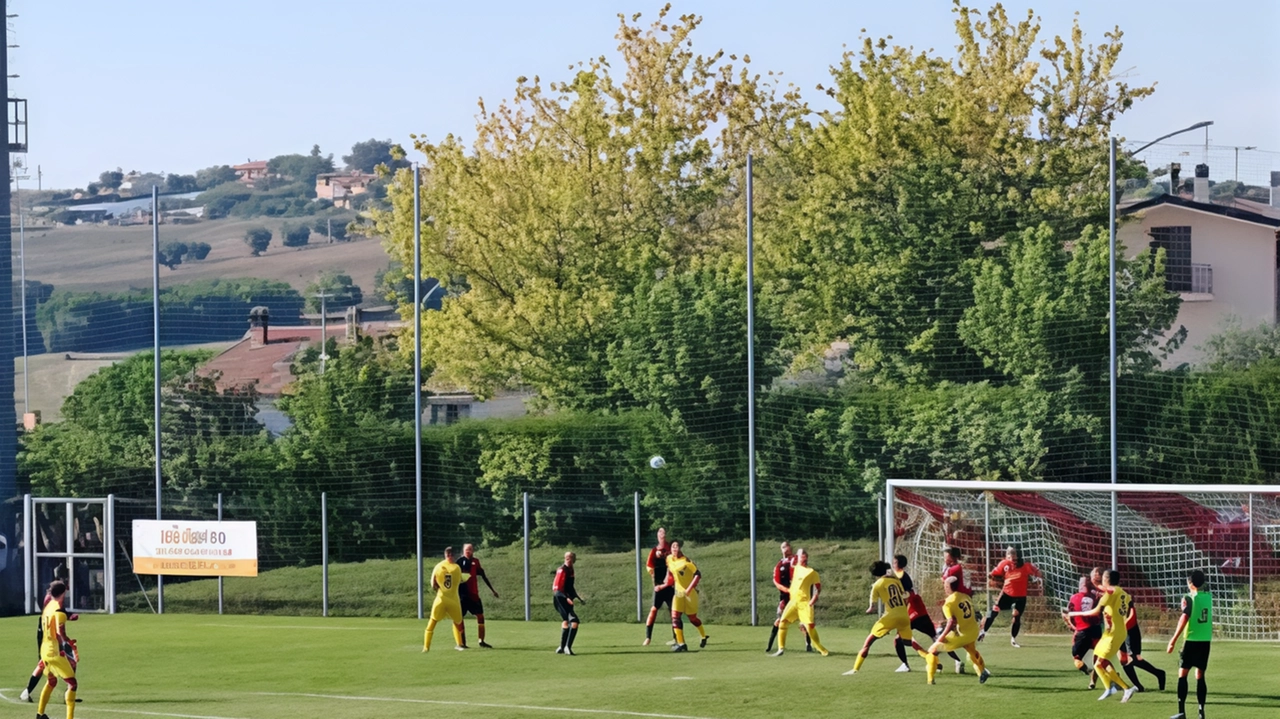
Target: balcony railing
1202	279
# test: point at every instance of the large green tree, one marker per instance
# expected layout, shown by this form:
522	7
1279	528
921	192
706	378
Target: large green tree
883	206
571	196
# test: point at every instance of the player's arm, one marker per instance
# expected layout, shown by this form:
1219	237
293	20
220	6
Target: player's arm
950	627
1097	609
871	602
435	583
813	594
648	563
697	577
777	579
1182	624
485	577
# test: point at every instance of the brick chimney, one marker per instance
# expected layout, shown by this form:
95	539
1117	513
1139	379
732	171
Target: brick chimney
1275	188
1200	189
259	321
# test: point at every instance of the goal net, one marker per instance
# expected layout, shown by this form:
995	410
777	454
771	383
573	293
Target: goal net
1153	534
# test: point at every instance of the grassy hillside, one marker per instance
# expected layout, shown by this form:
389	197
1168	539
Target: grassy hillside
91	257
386	588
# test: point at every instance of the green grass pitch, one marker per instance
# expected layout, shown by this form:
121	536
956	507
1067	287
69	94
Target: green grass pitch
254	667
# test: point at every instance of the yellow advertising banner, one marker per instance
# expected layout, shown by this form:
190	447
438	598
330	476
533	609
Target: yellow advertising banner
195	549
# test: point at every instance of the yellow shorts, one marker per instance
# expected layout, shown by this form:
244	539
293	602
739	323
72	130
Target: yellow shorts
440	609
798	612
60	667
886	624
1107	646
688	604
955	641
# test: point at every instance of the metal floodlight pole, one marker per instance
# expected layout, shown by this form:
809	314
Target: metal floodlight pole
324	327
324	554
527	608
1115	549
155	345
417	371
1251	547
22	275
751	387
9	430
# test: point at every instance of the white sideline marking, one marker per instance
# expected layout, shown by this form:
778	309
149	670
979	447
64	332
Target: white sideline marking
681	679
487	705
124	711
305	626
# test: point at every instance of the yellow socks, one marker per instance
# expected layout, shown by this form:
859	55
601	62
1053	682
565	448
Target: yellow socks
701	632
679	636
457	636
857	663
813	637
931	668
71	703
782	637
1104	677
45	694
426	638
1115	678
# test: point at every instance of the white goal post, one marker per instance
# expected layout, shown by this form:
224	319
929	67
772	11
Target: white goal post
1154	534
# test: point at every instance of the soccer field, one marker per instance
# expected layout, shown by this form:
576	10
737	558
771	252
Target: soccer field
251	667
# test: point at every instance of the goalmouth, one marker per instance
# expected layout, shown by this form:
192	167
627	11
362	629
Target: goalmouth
1154	534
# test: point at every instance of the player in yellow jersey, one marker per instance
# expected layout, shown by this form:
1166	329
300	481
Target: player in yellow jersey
445	579
683	574
1113	604
888	589
804	590
56	664
960	632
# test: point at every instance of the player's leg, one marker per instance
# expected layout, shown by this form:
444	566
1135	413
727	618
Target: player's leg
573	633
1019	605
70	697
1202	690
563	609
648	625
866	649
991	618
812	633
50	682
677	626
454	612
931	661
697	624
36	674
480	631
773	633
1182	691
431	630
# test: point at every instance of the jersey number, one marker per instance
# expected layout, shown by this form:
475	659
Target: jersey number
895	598
966	610
1204	616
448	581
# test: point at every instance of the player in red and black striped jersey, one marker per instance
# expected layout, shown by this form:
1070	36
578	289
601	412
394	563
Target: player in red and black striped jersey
919	616
563	595
469	592
782	580
1087	629
656	564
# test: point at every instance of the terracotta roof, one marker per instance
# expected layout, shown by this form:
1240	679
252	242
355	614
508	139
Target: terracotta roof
255	165
267	367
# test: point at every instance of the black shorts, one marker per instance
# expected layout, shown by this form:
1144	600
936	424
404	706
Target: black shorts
1018	603
1195	655
474	607
565	609
924	625
1084	640
665	595
1133	644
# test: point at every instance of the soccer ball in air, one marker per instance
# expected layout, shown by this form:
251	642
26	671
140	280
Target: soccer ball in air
657	462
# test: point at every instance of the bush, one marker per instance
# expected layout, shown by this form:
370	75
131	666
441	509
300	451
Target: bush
295	235
258	238
199	250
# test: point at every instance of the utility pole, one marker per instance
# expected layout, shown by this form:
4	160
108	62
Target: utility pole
22	272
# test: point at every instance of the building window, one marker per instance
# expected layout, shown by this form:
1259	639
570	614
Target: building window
1176	242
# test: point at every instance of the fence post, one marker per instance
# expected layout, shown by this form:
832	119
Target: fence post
109	547
880	529
28	552
324	554
525	512
1251	549
220	576
639	595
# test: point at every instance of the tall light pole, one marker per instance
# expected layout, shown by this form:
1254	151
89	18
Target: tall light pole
1197	126
22	272
1238	149
324	328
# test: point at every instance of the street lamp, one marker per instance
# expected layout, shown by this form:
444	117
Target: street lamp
1196	126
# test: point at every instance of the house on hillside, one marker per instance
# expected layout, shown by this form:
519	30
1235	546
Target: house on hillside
1221	258
339	187
251	171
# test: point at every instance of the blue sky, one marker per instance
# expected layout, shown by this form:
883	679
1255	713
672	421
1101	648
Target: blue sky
159	85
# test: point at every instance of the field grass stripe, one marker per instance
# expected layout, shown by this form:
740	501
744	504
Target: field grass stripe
487	705
124	711
258	627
